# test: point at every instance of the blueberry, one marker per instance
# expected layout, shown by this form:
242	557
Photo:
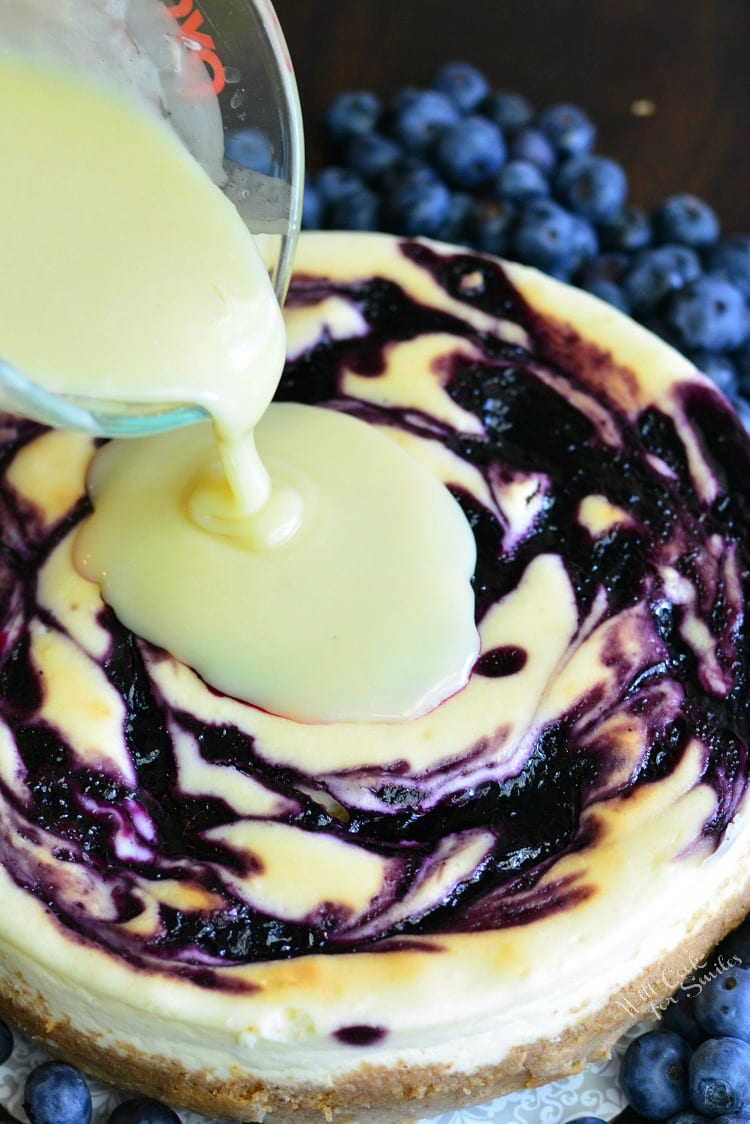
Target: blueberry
688	220
730	258
587	1120
531	144
726	1118
742	359
720	1077
742	409
463	84
722	1006
605	267
520	182
602	276
470	153
735	948
6	1042
453	226
654	1074
488	225
656	273
351	114
251	148
372	155
629	230
416	202
356	210
608	291
686	261
411	169
585	243
312	207
142	1110
687	1117
592	186
709	312
723	374
509	110
334	182
56	1093
419	117
679	1015
571	131
545	237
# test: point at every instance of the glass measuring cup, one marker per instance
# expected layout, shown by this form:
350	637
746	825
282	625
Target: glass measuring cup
219	71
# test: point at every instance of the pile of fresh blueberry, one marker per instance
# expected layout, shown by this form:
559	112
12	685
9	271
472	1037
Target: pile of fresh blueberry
466	164
56	1093
694	1066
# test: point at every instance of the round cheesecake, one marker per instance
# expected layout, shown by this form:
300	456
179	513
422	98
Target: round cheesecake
271	920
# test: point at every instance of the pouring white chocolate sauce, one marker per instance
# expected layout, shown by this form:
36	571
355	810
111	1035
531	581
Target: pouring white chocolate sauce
327	579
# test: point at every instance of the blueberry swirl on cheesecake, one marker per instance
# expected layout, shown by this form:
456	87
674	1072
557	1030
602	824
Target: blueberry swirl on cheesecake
267	919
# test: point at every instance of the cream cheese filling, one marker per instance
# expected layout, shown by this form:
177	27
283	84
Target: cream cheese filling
643	882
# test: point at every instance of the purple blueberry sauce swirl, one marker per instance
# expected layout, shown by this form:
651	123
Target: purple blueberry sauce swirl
528	424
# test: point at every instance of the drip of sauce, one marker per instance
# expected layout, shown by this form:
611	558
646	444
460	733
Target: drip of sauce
148	282
334	587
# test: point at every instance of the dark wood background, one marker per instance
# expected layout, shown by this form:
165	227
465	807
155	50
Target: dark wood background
690	58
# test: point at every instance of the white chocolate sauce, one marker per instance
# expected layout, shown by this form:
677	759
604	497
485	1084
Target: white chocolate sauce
335	587
311	621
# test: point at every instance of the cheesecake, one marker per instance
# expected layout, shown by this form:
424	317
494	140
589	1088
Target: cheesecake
271	919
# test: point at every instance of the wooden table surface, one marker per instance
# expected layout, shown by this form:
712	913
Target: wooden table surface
689	58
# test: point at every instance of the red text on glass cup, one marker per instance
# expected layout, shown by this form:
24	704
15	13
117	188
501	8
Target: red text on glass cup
190	21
